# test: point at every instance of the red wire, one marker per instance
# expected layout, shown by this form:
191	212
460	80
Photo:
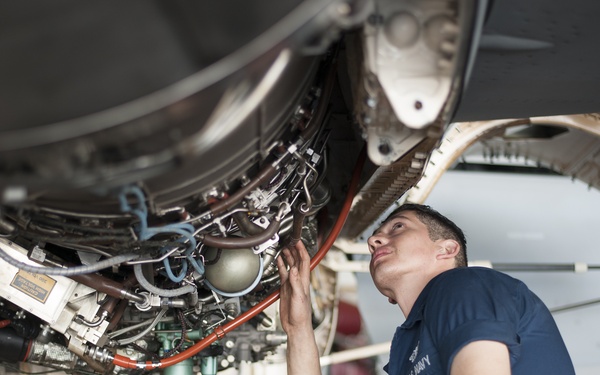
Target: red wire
4	323
219	332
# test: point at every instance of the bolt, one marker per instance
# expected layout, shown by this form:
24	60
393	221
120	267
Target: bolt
231	308
371	102
384	149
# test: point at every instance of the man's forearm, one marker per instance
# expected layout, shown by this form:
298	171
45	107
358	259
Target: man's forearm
302	353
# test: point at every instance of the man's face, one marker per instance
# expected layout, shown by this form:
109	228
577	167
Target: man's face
400	246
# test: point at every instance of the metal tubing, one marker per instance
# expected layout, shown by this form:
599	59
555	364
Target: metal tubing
269	171
108	286
243	242
221	331
299	216
265	175
319	115
245	224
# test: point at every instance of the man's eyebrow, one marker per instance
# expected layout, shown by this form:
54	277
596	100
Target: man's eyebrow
398	216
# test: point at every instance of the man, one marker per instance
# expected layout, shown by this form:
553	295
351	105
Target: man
459	320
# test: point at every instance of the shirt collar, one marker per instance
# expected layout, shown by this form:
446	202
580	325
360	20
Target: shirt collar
416	313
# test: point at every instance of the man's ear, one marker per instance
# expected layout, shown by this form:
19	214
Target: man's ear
448	249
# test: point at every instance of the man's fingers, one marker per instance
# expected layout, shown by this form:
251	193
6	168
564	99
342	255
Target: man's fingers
283	273
301	251
296	256
289	257
302	258
294	265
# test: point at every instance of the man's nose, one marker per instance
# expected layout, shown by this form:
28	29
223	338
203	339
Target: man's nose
374	242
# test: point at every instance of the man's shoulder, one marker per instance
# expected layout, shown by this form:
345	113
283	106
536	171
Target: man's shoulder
468	294
472	281
469	274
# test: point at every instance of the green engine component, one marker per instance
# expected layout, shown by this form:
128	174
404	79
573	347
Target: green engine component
208	366
185	367
167	335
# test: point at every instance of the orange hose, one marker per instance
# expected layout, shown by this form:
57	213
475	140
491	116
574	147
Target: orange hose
221	331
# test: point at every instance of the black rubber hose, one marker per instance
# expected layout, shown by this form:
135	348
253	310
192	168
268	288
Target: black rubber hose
106	285
299	216
246	225
242	242
13	348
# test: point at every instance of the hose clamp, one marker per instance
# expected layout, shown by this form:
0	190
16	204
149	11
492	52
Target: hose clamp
284	208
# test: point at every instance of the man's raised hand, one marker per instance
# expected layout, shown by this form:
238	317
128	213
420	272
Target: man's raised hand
295	307
295	311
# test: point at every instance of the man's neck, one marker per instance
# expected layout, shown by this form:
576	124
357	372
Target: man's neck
409	287
408	294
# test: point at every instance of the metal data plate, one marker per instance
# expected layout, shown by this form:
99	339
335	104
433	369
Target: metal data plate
42	295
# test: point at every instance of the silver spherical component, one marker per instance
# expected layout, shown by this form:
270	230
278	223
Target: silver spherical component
233	270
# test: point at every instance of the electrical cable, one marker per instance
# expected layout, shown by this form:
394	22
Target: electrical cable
71	271
197	266
182	273
121	331
149	328
139	275
183	337
221	331
185	230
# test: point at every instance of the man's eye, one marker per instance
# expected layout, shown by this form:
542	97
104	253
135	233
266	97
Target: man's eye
396	226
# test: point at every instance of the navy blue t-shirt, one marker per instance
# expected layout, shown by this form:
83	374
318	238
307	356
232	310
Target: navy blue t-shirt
469	304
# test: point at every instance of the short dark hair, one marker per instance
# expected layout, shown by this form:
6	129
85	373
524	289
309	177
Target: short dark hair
438	227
